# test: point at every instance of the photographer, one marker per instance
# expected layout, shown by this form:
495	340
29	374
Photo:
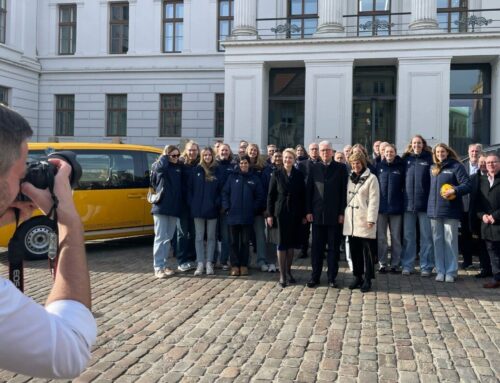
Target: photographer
55	341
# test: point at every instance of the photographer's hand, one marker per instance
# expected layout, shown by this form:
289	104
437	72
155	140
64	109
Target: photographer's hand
72	278
25	208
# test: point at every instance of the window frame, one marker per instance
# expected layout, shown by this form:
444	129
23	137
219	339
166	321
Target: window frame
220	19
69	113
5	91
218	122
3	17
164	129
175	20
302	17
373	14
449	10
117	110
72	25
123	22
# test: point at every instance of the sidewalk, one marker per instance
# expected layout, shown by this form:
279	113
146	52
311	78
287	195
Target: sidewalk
227	329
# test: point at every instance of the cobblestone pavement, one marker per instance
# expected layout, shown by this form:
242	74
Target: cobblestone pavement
248	329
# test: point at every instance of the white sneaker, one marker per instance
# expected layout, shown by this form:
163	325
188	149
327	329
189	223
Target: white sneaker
449	279
169	272
406	273
199	269
183	267
425	274
210	268
272	268
225	267
264	267
440	278
160	274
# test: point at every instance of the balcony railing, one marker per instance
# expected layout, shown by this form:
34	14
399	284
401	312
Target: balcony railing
390	24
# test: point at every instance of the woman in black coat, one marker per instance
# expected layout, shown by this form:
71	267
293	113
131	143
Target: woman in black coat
286	210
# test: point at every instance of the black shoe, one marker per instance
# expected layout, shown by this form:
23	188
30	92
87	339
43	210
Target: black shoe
394	270
382	270
367	285
312	283
358	281
333	284
465	265
303	254
483	274
282	284
291	279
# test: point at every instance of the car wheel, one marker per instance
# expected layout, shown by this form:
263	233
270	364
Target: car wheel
35	234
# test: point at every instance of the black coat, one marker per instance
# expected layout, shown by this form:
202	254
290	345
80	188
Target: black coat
169	176
326	192
286	203
391	178
487	201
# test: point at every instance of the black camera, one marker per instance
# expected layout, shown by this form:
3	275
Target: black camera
42	173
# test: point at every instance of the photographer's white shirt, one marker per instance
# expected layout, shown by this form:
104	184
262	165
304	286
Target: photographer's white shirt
47	342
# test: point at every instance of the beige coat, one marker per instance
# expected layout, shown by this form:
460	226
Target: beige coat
362	206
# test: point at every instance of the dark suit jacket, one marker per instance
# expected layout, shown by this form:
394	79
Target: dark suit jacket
488	202
326	192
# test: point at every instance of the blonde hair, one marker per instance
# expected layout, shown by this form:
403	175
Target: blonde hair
291	152
185	151
363	150
208	167
260	162
358	157
436	169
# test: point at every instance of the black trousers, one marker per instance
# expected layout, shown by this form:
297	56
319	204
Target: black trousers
484	257
493	248
321	236
465	239
362	257
305	230
240	238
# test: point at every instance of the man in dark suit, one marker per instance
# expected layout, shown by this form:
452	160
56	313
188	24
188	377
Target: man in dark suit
325	205
487	207
466	243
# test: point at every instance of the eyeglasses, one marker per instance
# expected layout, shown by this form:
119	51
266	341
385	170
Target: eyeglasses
174	155
491	162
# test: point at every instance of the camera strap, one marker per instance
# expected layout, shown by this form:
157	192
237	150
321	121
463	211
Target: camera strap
15	257
53	250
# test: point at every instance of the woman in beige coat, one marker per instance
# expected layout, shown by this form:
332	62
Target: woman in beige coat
360	220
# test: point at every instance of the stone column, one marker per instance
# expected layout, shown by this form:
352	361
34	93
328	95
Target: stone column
245	19
330	22
423	16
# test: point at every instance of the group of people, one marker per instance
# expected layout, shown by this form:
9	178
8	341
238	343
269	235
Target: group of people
344	198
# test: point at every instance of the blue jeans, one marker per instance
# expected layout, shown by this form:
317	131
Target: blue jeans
259	227
394	223
410	242
185	237
199	226
445	238
164	231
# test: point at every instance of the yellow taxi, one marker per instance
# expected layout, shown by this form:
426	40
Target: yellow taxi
110	196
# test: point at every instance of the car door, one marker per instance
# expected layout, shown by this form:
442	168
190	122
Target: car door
111	194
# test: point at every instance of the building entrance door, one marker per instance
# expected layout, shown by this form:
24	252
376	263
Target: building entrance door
286	107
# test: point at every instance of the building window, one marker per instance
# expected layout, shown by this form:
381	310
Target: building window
4	95
173	25
470	105
219	115
374	17
303	18
3	20
374	105
226	17
171	115
65	115
116	124
67	29
452	15
118	28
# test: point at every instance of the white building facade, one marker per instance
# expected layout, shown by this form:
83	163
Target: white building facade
292	71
